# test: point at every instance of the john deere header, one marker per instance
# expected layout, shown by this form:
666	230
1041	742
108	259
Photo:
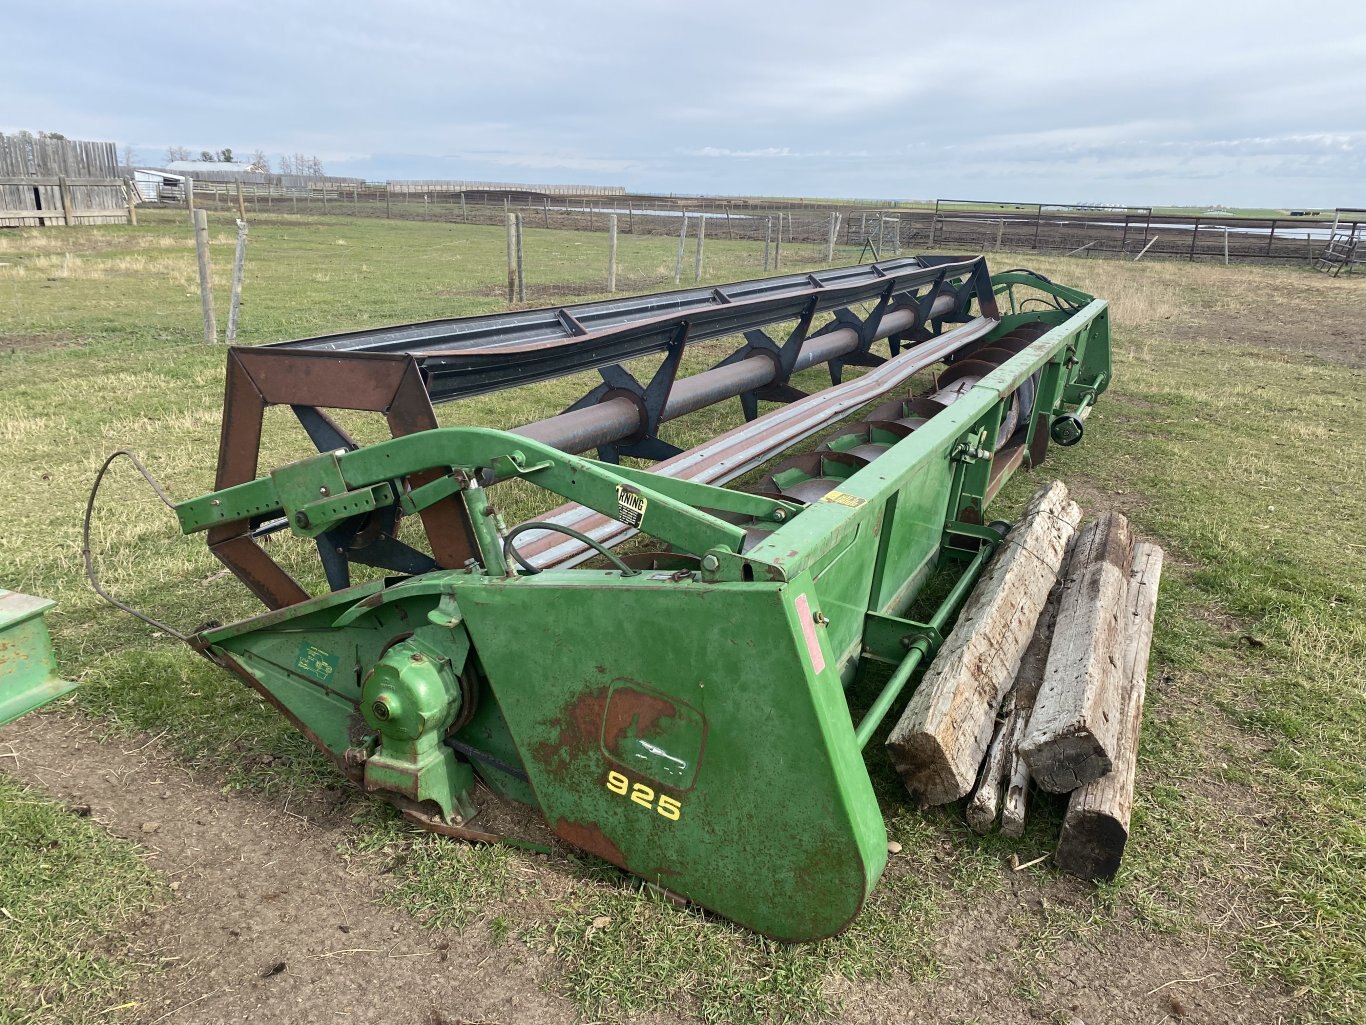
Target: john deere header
679	711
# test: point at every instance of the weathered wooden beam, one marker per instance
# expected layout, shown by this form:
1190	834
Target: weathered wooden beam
941	737
981	812
1095	829
1026	691
1075	725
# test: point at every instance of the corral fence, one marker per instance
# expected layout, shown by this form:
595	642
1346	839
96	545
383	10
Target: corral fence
46	182
874	228
1134	232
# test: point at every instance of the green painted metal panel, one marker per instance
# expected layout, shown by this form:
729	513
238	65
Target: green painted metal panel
28	668
757	803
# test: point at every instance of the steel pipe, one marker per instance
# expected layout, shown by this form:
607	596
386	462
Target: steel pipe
620	419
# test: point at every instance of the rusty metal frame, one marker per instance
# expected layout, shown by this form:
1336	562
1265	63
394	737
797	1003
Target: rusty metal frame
369	382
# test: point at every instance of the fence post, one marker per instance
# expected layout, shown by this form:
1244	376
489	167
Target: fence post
68	216
701	241
1000	230
630	218
239	263
387	197
128	188
768	239
512	257
189	197
464	210
830	242
778	244
201	245
611	252
1226	245
678	260
545	209
521	267
241	206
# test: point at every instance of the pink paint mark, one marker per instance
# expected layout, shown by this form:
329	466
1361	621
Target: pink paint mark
813	643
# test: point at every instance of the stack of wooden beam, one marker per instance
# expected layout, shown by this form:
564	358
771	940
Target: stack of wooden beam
1041	683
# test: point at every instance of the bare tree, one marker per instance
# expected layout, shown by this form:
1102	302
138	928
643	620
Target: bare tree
174	153
130	156
315	167
259	162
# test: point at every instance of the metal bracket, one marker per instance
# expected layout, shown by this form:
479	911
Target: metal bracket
784	357
866	329
926	303
650	400
369	539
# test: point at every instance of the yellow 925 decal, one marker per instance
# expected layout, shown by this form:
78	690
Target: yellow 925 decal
646	797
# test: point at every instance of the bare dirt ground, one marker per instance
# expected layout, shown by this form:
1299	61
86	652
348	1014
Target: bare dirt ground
269	923
1333	335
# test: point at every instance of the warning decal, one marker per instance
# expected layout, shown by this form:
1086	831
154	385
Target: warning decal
840	498
630	506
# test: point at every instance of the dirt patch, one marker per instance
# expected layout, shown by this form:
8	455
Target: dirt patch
268	921
1117	976
1336	332
36	343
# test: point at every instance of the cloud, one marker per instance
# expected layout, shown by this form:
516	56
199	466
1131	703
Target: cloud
1164	101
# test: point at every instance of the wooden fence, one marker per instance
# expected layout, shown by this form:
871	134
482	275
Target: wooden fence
47	182
44	202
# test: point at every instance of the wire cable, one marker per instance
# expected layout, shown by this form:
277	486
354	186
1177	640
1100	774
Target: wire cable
90	573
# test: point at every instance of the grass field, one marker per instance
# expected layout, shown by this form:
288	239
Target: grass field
1235	434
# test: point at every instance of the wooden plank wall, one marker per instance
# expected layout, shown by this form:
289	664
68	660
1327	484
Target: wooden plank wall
22	156
31	171
37	202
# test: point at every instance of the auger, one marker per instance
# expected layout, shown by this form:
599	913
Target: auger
680	711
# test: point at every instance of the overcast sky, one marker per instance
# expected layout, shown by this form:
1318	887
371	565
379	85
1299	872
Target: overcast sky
1160	101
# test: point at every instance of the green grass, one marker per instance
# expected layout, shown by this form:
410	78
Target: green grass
1244	462
65	886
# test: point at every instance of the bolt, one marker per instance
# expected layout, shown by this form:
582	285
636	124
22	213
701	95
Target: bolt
710	562
301	519
381	710
323	491
821	618
779	515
